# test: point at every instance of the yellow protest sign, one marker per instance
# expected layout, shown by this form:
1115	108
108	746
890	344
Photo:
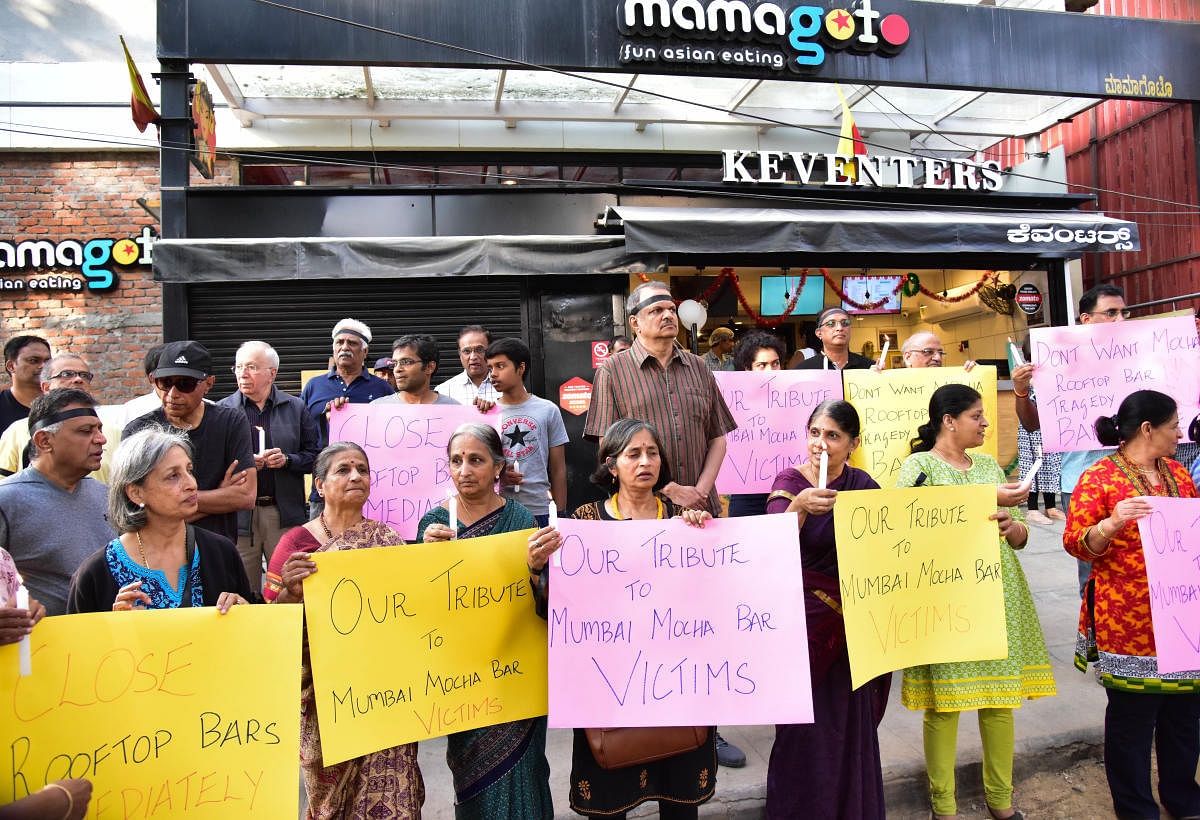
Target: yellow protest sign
919	570
413	642
170	713
893	404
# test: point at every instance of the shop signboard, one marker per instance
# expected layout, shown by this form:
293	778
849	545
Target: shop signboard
55	265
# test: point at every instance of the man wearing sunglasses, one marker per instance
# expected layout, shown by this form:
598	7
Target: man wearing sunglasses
223	460
833	331
414	361
66	370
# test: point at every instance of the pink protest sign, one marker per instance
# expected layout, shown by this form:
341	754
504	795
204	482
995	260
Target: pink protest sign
1173	572
655	623
406	445
1084	372
771	408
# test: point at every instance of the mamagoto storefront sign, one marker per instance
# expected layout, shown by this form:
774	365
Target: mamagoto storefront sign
91	257
765	35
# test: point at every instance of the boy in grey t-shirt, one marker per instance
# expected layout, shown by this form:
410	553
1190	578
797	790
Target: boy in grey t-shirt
531	431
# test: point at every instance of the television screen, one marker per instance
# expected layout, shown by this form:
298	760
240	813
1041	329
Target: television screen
864	289
774	300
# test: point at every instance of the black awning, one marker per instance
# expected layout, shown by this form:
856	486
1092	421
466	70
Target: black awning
231	260
869	231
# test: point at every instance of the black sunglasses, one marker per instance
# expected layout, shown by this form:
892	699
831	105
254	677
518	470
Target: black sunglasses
181	384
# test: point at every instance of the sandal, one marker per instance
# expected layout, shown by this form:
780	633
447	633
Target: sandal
1017	814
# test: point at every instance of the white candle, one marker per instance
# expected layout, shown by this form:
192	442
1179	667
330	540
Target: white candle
824	476
826	365
553	509
262	440
452	506
1027	482
26	657
1018	358
887	343
516	466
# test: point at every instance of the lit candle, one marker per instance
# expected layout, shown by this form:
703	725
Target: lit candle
262	439
887	343
824	476
26	657
553	510
452	506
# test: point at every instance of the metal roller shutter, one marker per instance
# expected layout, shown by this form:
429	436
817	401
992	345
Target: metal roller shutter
296	318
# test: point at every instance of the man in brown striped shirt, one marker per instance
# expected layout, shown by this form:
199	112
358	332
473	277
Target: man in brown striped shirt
657	382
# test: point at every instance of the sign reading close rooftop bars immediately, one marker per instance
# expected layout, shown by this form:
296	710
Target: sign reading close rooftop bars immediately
806	168
736	33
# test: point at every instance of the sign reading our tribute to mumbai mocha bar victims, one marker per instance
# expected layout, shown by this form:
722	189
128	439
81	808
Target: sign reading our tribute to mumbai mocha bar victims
1084	372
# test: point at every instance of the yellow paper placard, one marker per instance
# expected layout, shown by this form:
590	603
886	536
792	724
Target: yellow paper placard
413	642
919	570
893	404
170	713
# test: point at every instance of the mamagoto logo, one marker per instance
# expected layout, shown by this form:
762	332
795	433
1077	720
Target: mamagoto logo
90	256
797	37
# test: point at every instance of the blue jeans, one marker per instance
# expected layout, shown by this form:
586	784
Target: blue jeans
1085	567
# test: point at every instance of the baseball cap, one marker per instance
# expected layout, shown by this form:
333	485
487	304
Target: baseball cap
183	359
385	362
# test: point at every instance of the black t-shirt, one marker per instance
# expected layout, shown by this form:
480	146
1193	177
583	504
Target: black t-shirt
222	438
10	409
853	362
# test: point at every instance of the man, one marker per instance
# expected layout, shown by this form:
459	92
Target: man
720	345
222	458
292	442
52	515
618	344
24	357
1100	305
383	369
64	370
147	402
414	361
471	385
833	331
531	431
346	381
924	349
675	391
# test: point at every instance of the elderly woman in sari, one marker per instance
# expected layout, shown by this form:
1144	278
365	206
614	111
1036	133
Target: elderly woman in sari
383	784
631	471
159	561
828	768
499	771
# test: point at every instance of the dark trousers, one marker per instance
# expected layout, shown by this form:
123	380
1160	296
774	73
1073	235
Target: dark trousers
1132	722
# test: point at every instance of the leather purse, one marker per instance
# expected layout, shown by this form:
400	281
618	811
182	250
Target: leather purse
618	748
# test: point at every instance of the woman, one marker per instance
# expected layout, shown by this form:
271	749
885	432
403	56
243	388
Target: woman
499	771
631	471
159	561
757	351
829	768
384	784
939	457
1114	624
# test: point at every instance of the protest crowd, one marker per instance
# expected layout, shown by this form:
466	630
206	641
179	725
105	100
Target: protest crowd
179	499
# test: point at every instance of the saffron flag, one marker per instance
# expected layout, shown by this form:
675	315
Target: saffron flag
850	141
140	105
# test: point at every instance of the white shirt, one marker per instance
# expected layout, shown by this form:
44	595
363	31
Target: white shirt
463	390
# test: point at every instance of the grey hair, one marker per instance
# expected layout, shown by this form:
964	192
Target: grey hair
135	458
485	434
326	456
52	364
635	297
910	343
268	351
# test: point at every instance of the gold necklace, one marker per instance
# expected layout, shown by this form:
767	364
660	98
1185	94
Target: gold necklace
617	506
141	549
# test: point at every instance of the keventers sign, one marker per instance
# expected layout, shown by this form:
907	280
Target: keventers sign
806	168
762	35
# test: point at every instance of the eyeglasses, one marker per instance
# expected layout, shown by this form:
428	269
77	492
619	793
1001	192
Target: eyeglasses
1113	313
248	368
472	351
180	384
930	352
832	323
73	374
405	362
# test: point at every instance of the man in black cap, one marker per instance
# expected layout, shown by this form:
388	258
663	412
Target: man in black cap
223	456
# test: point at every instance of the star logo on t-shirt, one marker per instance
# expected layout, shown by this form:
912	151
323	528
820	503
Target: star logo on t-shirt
516	436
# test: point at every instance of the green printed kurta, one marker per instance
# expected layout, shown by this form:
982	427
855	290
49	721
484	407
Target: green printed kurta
1003	683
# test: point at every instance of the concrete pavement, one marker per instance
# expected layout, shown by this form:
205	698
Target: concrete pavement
1051	732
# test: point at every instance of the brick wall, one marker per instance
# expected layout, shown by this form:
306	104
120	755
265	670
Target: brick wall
86	195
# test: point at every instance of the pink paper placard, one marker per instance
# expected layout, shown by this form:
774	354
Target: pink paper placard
654	623
406	445
772	409
1172	550
1084	372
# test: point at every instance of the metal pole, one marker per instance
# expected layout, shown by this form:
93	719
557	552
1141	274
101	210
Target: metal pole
175	130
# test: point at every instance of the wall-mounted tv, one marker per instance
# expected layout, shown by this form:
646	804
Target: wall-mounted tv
870	289
776	291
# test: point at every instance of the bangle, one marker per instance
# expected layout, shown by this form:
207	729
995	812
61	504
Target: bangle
535	572
1020	395
67	792
1104	535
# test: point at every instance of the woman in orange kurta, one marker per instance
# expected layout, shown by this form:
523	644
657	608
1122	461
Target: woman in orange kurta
1114	626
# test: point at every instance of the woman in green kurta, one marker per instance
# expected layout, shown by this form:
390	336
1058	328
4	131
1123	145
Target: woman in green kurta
996	687
499	771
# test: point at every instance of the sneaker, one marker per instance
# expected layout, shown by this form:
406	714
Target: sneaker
728	755
1056	514
1037	517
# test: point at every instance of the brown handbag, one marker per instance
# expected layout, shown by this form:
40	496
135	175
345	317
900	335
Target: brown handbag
618	748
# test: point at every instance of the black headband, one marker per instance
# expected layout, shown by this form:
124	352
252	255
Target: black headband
649	300
353	331
62	415
828	311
